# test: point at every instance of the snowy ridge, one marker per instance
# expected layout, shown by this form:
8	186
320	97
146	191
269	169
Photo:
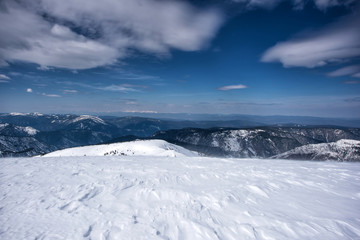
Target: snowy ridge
17	114
123	197
136	148
342	150
26	130
3	125
88	117
230	139
29	130
262	142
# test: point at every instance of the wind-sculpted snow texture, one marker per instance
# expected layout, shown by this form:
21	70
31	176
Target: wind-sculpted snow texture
127	197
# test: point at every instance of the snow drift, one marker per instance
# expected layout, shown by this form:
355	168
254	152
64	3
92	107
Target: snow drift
123	197
138	148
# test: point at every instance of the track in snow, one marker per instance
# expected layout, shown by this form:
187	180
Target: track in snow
178	198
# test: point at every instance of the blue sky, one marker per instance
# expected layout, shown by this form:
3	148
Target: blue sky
273	57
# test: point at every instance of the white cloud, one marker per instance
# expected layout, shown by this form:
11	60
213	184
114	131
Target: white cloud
298	4
324	4
113	88
4	77
50	95
357	75
349	70
117	88
67	91
29	90
232	87
106	30
338	42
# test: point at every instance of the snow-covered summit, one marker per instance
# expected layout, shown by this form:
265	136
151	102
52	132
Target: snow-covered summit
17	114
9	129
29	130
136	148
342	150
88	117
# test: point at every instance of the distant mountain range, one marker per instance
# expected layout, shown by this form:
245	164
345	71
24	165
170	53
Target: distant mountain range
263	142
255	120
35	134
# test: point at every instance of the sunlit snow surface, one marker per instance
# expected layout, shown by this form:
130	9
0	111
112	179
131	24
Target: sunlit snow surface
133	197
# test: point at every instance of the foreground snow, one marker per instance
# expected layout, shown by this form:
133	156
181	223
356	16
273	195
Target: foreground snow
123	197
138	148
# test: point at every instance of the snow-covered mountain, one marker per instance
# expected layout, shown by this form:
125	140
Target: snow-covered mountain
34	134
342	150
21	141
8	129
254	142
134	148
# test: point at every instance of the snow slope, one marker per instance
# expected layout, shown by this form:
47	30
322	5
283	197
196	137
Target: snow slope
139	148
123	197
342	150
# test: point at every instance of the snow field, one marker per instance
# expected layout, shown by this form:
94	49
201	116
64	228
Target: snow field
136	197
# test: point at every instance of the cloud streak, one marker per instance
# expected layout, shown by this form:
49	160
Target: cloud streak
298	4
232	87
86	34
349	70
51	95
4	77
351	82
113	87
70	91
338	42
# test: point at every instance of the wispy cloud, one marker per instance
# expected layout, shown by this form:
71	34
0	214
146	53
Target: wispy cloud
4	77
298	4
232	87
113	87
135	76
337	42
70	91
51	95
349	70
105	31
353	100
29	90
117	88
352	82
